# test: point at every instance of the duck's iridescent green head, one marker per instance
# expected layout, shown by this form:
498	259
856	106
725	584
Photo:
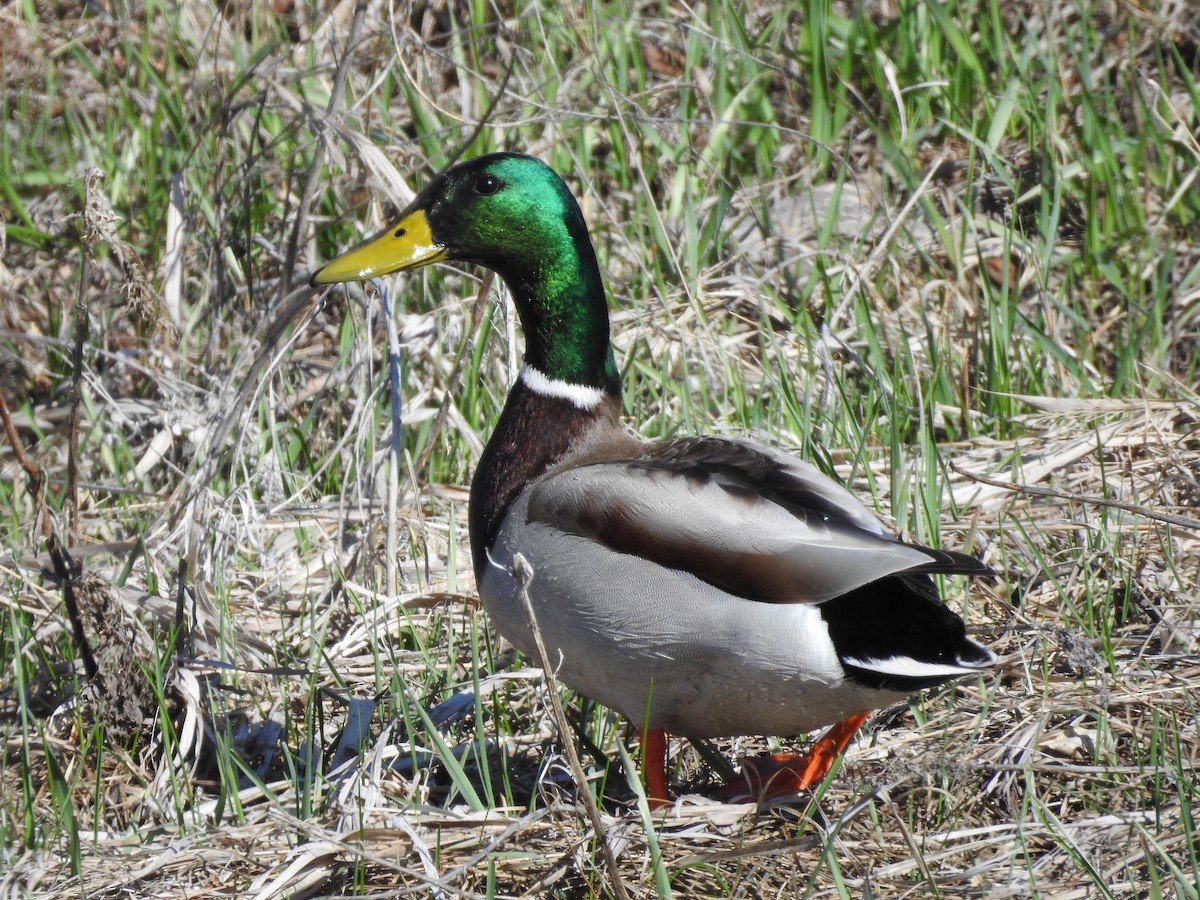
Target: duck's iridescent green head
513	214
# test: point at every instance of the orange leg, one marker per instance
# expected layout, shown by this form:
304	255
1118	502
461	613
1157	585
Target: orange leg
654	763
783	774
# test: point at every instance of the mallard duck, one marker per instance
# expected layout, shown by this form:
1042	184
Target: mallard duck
706	586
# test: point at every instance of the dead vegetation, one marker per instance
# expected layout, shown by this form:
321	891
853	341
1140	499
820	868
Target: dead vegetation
294	692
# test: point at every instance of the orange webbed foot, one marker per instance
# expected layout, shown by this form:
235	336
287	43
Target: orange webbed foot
771	777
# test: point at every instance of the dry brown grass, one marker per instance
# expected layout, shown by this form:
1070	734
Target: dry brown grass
293	739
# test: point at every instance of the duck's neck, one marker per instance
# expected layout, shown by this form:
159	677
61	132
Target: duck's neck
560	300
568	393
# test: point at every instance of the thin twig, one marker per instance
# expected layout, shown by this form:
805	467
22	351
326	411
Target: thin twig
493	102
524	574
183	643
81	334
1085	499
64	567
395	448
251	384
318	160
468	351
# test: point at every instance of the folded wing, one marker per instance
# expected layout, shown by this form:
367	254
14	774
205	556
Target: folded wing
737	515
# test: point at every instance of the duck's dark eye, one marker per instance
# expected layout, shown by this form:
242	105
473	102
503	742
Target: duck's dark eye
487	184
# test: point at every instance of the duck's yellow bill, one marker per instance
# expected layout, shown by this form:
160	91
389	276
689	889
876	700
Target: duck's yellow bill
406	245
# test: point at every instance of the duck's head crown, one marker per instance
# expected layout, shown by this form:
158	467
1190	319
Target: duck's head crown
507	211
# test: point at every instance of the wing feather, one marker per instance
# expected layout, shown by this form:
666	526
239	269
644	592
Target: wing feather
735	514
